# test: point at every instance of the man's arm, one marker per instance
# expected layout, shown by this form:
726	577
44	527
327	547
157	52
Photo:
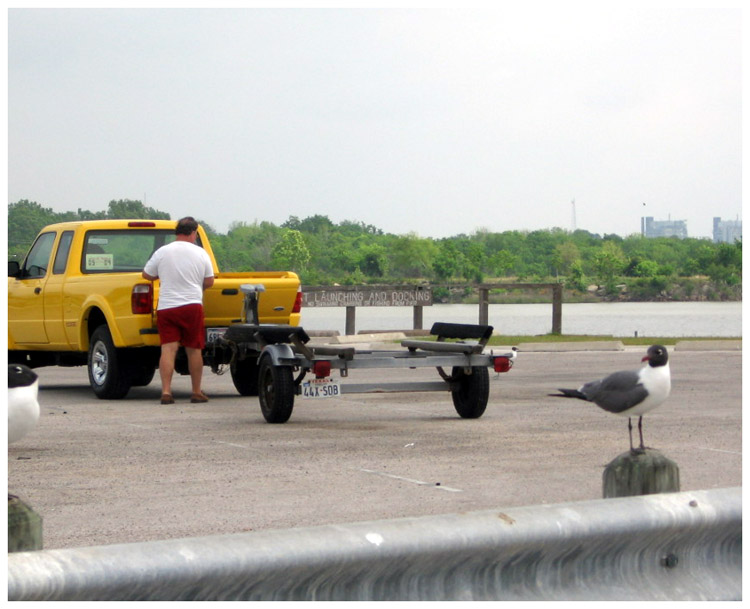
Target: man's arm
208	282
151	265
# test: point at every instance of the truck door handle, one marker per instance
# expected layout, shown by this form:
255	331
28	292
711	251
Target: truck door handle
229	292
37	290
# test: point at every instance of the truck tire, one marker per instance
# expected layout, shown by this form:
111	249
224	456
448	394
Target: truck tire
275	391
470	391
108	378
140	376
245	375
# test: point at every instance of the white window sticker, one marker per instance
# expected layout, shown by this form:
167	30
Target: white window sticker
99	262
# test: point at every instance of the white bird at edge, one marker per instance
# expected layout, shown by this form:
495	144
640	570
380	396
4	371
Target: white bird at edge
630	393
23	407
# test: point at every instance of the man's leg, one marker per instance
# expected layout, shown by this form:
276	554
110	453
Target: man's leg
195	366
166	365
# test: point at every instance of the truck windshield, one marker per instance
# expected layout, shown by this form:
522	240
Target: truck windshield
121	251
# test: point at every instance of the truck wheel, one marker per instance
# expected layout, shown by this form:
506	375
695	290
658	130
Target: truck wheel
471	391
142	376
107	377
245	375
275	391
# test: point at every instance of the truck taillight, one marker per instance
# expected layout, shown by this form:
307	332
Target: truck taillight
297	308
142	298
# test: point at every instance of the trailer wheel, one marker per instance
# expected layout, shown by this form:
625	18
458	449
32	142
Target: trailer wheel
275	391
108	375
245	375
470	391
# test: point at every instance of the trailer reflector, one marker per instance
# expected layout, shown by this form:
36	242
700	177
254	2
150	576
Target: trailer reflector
502	364
322	369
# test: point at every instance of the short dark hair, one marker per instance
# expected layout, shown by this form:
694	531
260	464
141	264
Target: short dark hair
186	226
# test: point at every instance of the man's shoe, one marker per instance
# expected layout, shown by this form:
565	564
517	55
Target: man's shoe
198	398
166	398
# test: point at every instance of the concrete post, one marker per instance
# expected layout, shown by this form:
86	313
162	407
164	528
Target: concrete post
24	526
418	317
557	294
640	472
484	306
350	314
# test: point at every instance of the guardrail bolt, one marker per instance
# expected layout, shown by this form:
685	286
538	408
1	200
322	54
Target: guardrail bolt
669	561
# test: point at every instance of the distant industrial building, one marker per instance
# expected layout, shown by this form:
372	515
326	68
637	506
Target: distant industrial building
727	231
663	228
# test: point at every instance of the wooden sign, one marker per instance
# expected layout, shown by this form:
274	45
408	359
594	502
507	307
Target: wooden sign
366	296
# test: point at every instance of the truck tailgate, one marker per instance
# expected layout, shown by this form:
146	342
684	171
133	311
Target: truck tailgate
223	301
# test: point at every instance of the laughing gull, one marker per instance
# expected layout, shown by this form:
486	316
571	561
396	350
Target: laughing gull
23	408
629	393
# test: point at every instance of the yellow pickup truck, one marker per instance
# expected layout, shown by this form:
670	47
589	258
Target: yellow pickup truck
78	298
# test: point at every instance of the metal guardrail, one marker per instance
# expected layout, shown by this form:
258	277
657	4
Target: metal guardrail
678	546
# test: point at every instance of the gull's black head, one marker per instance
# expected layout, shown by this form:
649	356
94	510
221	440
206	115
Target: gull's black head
20	376
656	356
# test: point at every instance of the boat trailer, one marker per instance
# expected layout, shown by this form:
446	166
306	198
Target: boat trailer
273	361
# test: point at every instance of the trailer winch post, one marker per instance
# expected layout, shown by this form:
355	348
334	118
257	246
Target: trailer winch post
250	303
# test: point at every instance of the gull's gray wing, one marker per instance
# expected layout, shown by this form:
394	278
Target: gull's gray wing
617	392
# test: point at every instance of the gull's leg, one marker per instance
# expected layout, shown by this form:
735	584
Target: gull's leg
640	430
630	433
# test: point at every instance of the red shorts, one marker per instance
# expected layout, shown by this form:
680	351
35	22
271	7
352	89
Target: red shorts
182	324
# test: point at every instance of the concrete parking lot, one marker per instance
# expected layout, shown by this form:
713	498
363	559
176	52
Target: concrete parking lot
102	472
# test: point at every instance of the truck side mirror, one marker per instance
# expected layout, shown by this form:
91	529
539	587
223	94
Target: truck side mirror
14	268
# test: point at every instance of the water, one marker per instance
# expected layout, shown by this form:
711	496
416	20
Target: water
670	319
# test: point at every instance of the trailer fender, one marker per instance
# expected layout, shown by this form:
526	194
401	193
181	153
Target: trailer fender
280	354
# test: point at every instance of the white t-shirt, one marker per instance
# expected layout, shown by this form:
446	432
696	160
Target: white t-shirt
181	267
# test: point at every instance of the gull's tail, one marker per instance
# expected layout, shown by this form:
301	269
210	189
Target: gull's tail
569	393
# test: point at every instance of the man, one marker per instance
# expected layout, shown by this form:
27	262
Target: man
185	270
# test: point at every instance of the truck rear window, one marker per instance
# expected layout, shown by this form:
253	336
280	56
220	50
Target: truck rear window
121	251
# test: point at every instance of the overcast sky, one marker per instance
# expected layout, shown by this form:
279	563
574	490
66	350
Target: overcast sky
436	122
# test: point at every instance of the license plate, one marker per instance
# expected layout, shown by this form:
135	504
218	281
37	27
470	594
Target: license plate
212	334
321	388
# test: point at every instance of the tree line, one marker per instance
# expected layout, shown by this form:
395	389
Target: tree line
354	253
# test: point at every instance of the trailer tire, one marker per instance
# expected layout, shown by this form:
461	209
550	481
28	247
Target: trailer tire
245	375
470	391
109	376
275	391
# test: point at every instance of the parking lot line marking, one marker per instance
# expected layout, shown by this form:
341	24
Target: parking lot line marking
142	426
242	446
231	444
719	450
245	446
413	481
